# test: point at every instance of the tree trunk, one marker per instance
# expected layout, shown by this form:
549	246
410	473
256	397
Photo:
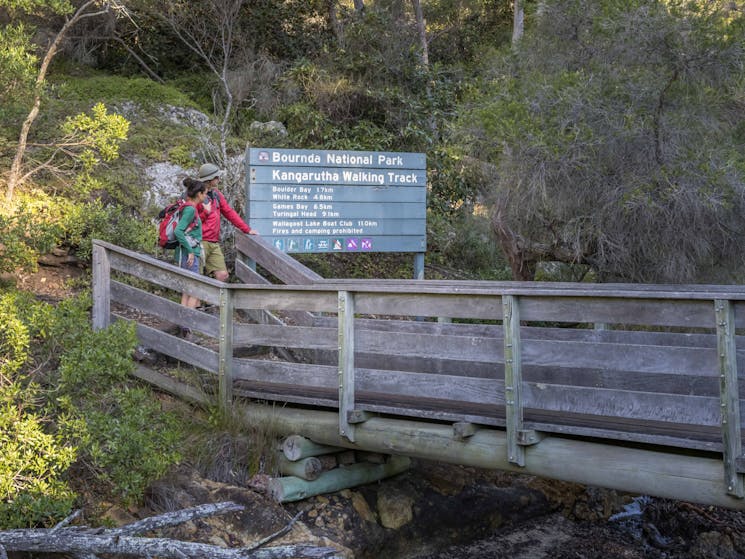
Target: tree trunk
334	23
523	268
421	25
422	28
518	22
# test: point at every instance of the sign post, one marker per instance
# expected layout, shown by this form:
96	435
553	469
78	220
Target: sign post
322	201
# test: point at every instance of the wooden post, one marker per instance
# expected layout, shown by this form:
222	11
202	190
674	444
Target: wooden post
101	287
346	363
306	468
513	379
730	400
297	447
225	366
287	489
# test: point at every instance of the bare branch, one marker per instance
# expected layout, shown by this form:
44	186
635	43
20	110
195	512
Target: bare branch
66	521
87	543
278	533
177	517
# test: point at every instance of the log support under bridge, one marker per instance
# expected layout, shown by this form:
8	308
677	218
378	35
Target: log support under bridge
681	476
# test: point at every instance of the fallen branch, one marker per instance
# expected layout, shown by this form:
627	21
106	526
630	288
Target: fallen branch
89	542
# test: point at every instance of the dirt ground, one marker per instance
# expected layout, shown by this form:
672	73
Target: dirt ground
662	529
57	276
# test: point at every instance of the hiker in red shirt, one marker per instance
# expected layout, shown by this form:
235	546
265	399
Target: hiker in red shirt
210	210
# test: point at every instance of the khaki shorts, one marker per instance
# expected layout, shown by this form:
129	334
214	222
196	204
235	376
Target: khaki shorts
214	260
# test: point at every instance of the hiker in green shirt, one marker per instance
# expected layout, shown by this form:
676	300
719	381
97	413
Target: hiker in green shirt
188	232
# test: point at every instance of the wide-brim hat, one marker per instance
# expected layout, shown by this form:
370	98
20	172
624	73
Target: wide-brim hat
208	171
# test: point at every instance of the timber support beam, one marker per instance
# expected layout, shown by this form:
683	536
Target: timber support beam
683	476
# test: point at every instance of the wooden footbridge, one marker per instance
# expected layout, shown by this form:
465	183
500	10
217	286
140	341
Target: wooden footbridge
631	387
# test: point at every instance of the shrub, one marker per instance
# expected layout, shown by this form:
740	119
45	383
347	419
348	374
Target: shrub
32	485
120	435
96	220
26	234
132	442
98	362
463	240
42	222
128	442
34	463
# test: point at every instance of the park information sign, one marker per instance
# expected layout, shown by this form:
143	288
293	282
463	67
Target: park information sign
338	201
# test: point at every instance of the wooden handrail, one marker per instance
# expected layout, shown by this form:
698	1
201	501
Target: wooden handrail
664	373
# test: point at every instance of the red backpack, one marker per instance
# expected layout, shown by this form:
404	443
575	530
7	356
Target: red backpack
168	219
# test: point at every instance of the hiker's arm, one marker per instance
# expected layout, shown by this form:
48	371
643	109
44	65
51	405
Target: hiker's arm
232	216
187	216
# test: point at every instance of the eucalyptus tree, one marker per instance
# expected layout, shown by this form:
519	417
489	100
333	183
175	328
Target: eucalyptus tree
611	137
25	73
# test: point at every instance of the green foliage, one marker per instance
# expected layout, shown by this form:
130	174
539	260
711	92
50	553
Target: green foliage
337	113
308	126
34	462
35	459
287	29
116	89
460	31
37	7
17	62
98	361
124	439
99	133
182	155
381	51
76	145
454	184
114	431
461	245
111	223
606	139
27	232
132	442
42	222
14	340
198	88
54	328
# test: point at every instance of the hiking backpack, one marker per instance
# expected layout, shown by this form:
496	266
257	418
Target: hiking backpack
168	219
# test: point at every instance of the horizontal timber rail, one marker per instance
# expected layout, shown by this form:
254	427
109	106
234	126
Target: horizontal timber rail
617	366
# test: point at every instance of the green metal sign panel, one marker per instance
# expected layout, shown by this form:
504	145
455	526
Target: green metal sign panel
338	201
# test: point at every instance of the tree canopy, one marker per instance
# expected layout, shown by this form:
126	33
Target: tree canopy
613	137
603	134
